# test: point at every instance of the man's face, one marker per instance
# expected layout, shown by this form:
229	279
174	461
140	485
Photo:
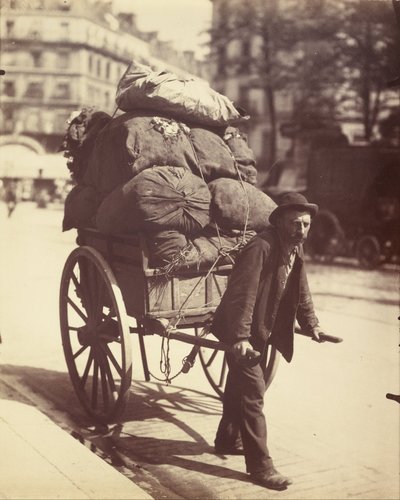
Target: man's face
294	226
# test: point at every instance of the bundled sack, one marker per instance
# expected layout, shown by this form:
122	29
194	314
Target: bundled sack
172	198
80	208
171	251
159	198
225	245
79	140
133	142
214	158
234	202
243	154
165	246
164	92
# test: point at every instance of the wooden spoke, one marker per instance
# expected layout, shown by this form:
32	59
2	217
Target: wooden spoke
212	357
78	287
87	369
110	355
95	383
104	386
80	351
222	378
76	309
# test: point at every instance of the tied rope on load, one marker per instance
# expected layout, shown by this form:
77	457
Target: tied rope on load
168	271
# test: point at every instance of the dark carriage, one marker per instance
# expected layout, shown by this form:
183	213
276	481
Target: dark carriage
357	189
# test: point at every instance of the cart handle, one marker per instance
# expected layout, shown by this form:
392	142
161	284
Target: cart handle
323	336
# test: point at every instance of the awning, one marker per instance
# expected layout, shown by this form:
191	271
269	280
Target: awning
22	163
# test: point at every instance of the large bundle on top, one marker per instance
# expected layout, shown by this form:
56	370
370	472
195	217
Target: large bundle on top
173	167
187	99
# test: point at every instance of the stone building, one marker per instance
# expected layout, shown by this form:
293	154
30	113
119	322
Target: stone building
60	56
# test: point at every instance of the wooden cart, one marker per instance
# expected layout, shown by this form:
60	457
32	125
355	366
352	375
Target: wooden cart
108	291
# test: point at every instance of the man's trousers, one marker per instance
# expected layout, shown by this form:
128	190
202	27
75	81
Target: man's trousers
243	415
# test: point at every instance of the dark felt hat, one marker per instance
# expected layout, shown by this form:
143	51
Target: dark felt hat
293	201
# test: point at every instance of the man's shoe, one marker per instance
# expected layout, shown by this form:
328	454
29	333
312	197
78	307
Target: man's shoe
271	479
229	450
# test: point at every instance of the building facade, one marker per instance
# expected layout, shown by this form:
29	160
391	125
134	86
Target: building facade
62	55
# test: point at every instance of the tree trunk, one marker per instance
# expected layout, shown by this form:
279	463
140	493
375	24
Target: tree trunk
270	96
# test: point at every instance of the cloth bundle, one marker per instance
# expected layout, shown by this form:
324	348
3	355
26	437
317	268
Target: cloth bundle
236	204
171	250
171	166
170	198
131	143
185	99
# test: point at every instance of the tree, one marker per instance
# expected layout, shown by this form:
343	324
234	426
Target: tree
294	49
368	48
256	20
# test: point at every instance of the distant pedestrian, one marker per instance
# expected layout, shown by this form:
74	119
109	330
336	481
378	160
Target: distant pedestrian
267	291
10	197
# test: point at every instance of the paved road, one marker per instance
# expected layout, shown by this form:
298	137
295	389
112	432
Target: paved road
330	426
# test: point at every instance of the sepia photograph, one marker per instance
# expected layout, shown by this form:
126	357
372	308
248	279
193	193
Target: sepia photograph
199	249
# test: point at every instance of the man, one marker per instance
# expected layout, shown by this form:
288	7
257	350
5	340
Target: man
266	293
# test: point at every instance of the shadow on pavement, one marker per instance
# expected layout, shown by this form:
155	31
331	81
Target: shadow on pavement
157	406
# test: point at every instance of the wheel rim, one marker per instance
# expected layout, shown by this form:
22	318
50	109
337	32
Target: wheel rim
215	367
95	335
368	252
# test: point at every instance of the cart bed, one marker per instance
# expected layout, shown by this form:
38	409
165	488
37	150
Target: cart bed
147	293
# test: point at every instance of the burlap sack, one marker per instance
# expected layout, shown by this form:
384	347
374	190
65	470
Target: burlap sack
244	156
185	99
214	157
131	143
164	246
234	203
80	208
159	198
171	198
117	213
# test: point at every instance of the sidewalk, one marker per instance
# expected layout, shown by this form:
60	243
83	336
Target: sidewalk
38	460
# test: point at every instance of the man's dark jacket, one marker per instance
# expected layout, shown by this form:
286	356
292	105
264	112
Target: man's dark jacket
257	306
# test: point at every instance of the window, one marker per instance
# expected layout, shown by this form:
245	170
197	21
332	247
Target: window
107	99
64	30
10	25
9	89
37	59
108	70
90	63
8	117
62	91
35	90
60	122
63	59
98	68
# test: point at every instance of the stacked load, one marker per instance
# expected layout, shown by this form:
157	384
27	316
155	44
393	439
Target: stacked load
173	166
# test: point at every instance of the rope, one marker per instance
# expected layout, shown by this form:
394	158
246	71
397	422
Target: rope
167	270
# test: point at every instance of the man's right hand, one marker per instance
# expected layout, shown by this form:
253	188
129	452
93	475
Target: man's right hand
244	350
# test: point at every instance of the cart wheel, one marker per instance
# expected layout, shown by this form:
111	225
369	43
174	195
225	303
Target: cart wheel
326	237
368	252
216	368
95	334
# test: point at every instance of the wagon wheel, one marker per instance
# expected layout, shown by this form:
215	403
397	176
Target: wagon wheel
368	252
326	237
95	334
215	367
